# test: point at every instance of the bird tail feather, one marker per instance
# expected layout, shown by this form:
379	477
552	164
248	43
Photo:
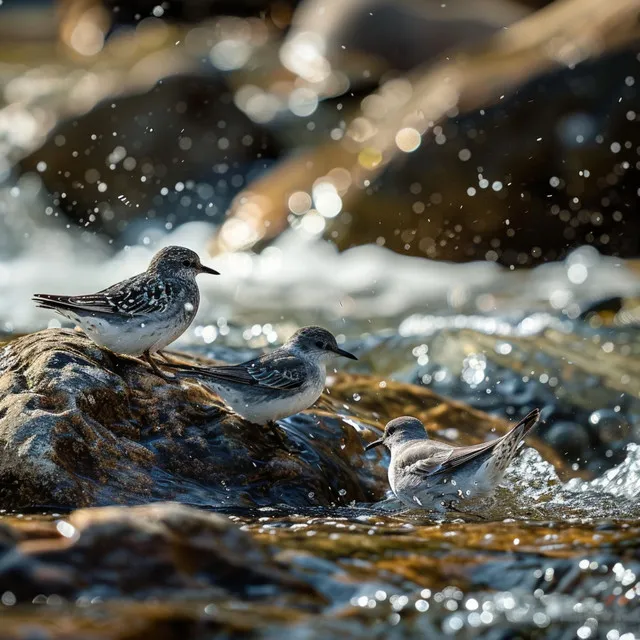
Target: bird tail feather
54	303
525	425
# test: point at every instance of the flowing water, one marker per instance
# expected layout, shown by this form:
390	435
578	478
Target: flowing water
554	554
550	558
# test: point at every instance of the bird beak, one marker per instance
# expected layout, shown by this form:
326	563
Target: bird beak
345	354
375	443
208	270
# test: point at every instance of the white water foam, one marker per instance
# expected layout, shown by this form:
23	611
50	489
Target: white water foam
299	273
534	484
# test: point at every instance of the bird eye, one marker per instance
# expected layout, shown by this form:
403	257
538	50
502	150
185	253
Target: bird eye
320	345
186	263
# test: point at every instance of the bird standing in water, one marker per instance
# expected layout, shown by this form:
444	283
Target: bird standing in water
139	316
278	384
434	475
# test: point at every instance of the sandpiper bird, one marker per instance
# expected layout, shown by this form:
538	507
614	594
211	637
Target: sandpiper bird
278	384
142	315
434	475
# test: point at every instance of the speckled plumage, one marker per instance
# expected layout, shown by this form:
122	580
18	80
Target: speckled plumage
140	315
434	475
278	384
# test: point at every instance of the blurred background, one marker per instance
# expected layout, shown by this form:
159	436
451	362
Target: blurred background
450	186
332	159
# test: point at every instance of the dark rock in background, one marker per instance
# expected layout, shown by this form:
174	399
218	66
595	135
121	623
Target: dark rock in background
552	167
132	11
176	153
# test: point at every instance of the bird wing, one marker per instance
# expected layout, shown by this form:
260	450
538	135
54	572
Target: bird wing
428	461
452	457
438	465
272	371
140	295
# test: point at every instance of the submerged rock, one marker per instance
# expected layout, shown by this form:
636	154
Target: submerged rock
81	427
169	571
145	551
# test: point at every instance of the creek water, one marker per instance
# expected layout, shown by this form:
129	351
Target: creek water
555	553
551	558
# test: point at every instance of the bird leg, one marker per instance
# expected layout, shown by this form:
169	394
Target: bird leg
178	364
275	430
279	434
166	358
149	360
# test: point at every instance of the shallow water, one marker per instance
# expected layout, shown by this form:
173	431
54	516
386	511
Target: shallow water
548	557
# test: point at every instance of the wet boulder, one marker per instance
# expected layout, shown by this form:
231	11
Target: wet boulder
80	426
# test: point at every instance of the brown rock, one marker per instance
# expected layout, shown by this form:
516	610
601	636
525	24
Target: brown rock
152	550
80	426
209	147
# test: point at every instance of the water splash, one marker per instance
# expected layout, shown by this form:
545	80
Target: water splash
622	481
296	275
532	489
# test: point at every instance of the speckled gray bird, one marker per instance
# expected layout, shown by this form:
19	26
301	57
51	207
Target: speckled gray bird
436	476
278	384
139	316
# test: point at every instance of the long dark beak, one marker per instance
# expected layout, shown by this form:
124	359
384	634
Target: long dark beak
208	270
345	354
375	443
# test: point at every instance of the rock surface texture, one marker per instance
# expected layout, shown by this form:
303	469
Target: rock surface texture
81	427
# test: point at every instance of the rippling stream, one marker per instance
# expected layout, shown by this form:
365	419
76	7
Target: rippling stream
557	558
311	543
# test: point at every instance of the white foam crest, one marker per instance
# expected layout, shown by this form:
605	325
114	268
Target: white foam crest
295	273
535	490
532	476
621	481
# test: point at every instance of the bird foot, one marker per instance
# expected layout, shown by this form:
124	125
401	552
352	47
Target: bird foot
167	359
165	376
156	369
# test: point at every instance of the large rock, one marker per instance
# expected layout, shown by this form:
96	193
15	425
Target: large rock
482	185
80	426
